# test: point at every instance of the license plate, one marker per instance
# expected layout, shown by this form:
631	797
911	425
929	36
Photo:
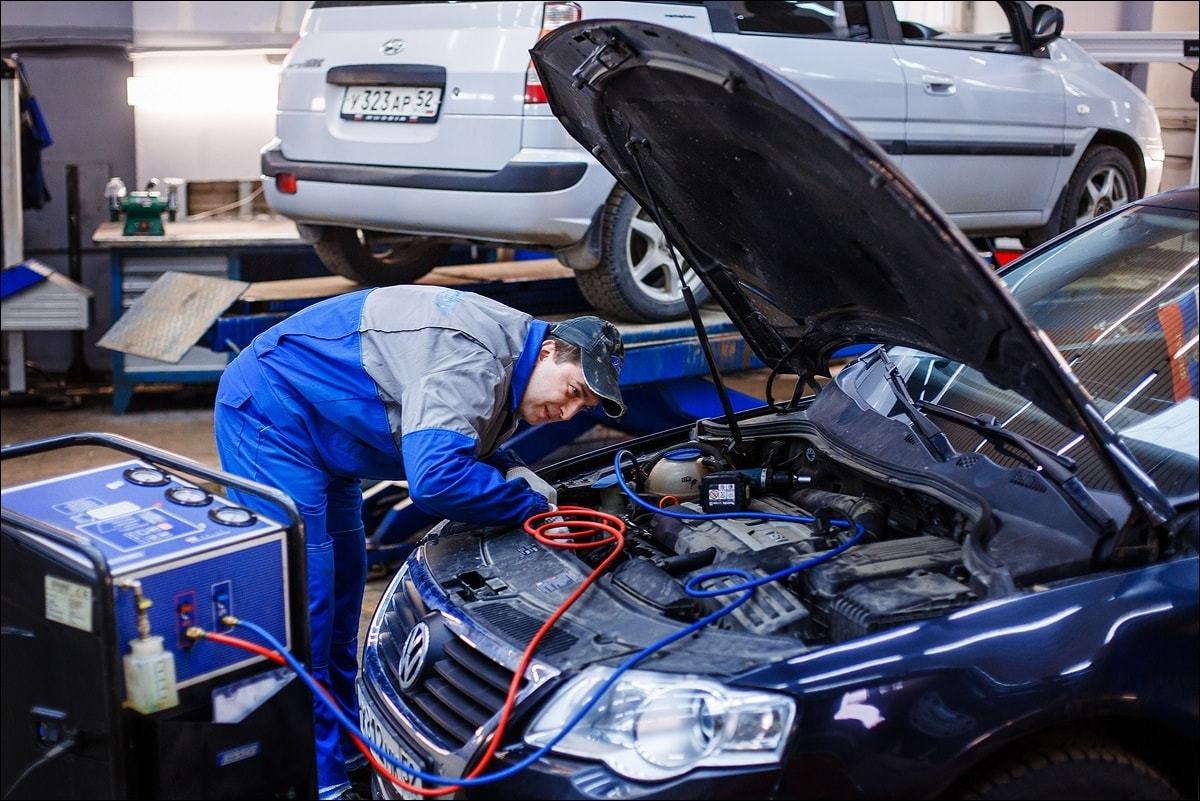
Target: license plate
391	103
382	737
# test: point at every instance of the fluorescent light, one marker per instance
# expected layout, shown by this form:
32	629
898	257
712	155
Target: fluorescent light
208	91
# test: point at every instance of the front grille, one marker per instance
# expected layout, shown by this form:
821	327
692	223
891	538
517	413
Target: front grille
459	692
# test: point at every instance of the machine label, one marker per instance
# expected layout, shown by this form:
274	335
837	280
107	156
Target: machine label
69	603
143	527
75	507
113	510
237	754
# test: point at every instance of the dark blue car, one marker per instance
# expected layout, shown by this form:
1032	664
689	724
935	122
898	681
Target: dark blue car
974	549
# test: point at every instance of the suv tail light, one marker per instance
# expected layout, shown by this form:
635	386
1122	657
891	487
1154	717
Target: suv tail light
554	15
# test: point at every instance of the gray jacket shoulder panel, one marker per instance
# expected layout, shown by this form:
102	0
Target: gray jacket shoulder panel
442	359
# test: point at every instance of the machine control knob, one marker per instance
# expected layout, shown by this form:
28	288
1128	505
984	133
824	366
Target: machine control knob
233	516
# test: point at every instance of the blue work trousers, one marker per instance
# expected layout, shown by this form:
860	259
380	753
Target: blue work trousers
273	447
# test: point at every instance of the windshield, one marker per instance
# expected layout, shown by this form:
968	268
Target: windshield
1119	301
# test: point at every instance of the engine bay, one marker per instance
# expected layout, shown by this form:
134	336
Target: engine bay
909	564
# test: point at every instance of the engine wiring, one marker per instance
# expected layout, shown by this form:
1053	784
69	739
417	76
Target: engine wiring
570	527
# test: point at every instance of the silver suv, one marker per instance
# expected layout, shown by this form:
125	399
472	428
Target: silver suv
403	126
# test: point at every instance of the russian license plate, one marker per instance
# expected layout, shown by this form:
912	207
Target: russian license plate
391	103
382	737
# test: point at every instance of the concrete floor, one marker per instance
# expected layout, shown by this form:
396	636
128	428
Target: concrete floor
179	421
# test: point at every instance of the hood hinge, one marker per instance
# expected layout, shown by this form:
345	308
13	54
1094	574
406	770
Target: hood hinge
611	52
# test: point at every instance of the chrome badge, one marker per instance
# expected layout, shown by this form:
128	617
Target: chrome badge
412	655
393	47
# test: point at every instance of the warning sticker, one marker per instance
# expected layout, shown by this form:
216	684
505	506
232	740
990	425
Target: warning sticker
69	603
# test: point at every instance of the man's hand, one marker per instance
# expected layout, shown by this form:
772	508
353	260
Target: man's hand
536	484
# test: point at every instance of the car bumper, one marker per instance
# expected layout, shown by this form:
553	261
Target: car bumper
1153	161
541	197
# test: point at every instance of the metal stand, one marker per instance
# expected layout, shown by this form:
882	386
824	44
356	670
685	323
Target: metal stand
14	237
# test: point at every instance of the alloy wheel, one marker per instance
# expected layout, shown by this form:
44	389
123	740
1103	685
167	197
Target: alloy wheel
649	258
1104	190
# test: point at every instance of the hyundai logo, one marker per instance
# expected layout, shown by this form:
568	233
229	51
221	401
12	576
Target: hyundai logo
412	655
393	47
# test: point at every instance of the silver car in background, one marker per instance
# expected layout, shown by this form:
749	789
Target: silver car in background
403	126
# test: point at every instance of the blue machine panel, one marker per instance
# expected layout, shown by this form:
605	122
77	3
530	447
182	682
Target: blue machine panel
196	555
251	576
131	524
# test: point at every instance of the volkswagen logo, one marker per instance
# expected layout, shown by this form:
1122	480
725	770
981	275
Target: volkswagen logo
393	47
412	655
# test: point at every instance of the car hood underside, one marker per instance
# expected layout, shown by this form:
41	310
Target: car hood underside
806	232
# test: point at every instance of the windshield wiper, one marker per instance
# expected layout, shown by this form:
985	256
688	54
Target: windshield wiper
991	429
935	439
1057	468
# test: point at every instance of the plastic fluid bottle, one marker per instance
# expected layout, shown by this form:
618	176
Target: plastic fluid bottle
150	676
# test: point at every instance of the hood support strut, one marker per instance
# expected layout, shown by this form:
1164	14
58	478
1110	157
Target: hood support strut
632	146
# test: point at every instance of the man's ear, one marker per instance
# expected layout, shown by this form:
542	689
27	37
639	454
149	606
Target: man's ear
548	349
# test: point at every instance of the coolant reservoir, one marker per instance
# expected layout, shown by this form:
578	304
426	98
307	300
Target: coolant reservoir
678	473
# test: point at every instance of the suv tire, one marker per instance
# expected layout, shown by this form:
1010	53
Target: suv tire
377	259
636	279
1072	769
1102	180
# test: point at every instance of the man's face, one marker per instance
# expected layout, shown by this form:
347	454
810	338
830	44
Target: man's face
555	391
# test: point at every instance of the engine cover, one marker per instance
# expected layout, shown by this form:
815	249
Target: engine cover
759	547
732	536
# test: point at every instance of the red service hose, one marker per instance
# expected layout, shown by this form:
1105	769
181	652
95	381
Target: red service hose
574	527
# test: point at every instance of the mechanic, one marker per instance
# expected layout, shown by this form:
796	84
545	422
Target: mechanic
404	382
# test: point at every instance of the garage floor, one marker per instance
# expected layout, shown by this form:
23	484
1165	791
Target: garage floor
179	421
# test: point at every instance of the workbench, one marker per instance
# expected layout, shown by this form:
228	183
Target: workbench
237	249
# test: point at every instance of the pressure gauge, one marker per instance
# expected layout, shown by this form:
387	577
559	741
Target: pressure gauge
233	516
189	496
146	476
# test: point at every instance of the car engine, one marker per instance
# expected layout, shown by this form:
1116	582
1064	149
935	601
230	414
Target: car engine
909	565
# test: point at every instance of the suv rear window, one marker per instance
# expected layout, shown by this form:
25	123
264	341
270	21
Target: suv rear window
837	20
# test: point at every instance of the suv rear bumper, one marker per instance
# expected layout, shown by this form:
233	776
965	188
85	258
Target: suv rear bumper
530	200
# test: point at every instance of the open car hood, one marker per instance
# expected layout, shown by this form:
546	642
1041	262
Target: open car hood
805	231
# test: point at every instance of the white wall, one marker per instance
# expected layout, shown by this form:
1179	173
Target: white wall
215	23
211	103
1169	87
218	110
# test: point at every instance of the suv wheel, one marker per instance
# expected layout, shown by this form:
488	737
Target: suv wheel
636	279
377	259
1103	180
1072	769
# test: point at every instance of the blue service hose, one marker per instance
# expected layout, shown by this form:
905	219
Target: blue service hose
746	588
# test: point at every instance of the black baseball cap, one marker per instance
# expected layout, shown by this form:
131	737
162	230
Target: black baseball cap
601	355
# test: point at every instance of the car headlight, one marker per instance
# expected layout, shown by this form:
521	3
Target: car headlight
650	726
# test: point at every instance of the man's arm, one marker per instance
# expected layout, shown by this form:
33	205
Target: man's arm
443	412
445	479
505	459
